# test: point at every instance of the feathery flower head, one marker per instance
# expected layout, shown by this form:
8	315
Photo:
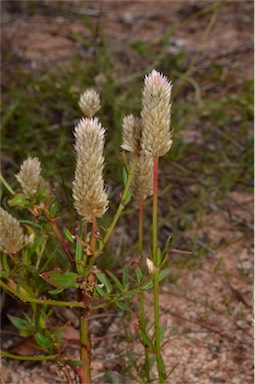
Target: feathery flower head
90	198
142	182
156	114
11	233
29	176
131	134
89	102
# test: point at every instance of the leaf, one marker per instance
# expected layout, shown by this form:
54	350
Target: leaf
18	200
68	235
162	331
116	281
125	175
128	198
18	323
101	292
60	280
144	339
103	279
163	273
122	306
55	291
125	279
74	363
161	366
139	275
78	251
43	341
147	286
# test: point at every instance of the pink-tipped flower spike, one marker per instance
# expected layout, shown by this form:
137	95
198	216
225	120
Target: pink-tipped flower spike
11	233
29	176
156	115
90	102
90	198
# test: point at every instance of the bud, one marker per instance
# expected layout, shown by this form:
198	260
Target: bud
142	181
131	134
89	102
11	235
29	176
90	198
150	266
156	115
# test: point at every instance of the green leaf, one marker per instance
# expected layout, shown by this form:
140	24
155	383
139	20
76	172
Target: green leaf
122	306
131	360
43	341
125	279
55	291
74	363
68	235
147	286
163	273
78	251
103	279
60	280
139	275
101	292
125	175
144	339
78	256
162	331
116	281
18	200
128	198
161	366
18	323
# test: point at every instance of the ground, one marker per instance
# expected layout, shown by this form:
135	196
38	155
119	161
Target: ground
206	203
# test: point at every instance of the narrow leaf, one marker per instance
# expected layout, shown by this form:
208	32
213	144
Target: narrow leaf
139	275
103	279
162	331
18	323
163	273
101	292
116	281
60	280
122	306
18	200
43	341
68	235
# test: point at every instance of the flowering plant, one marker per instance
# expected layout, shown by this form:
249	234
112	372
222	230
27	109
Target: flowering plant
25	271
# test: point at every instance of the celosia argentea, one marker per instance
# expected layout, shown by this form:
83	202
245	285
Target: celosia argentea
11	233
90	198
156	115
29	176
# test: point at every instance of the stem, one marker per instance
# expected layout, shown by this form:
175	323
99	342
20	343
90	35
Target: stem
7	186
61	240
156	273
30	358
155	212
141	301
121	205
85	342
41	301
156	322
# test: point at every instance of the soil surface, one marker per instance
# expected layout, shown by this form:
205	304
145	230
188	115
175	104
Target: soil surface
208	312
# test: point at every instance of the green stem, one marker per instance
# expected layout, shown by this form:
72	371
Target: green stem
7	186
141	300
40	301
85	342
121	205
155	212
156	273
30	358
